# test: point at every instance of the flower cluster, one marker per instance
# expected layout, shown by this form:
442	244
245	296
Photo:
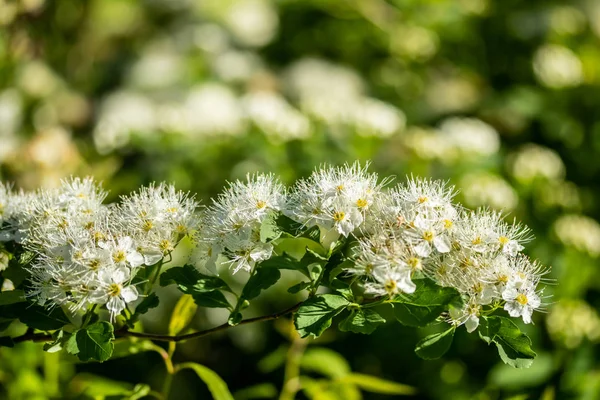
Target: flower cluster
86	252
89	253
423	234
231	225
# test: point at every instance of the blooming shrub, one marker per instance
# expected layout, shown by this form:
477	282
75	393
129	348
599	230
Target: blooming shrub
359	244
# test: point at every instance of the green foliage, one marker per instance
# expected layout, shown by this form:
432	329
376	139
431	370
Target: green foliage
35	316
217	387
206	290
315	314
513	345
426	304
93	343
434	346
262	279
362	321
182	315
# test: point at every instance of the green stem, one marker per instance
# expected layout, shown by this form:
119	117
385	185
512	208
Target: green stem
152	280
291	380
88	316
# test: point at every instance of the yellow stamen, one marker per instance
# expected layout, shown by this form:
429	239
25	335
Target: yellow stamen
339	216
422	199
503	240
114	289
448	224
391	286
428	236
119	257
261	204
362	203
522	299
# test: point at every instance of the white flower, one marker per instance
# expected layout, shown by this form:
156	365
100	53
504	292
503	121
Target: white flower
112	290
123	251
391	281
521	301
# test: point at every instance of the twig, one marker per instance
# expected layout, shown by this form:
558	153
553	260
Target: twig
122	333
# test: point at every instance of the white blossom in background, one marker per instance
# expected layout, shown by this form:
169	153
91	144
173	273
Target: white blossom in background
482	188
533	161
578	231
276	117
212	109
160	66
377	118
121	114
252	22
470	136
557	67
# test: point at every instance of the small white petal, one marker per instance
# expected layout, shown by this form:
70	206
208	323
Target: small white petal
129	294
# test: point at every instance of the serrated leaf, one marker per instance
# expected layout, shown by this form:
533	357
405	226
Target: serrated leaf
263	279
217	387
182	315
362	321
434	346
315	314
513	345
149	302
95	342
426	304
57	344
269	230
377	385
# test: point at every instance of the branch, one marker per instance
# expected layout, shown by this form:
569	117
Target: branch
122	333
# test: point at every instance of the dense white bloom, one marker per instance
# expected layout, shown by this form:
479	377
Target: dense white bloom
521	300
89	253
114	291
335	199
231	225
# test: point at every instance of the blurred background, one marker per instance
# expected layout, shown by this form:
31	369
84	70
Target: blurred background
500	97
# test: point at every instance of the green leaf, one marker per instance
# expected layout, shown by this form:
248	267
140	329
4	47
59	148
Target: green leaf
284	261
95	343
189	280
217	387
315	314
299	287
513	345
377	385
269	230
426	304
57	343
434	346
258	391
34	316
203	288
362	321
262	279
214	299
150	301
325	362
12	297
182	315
